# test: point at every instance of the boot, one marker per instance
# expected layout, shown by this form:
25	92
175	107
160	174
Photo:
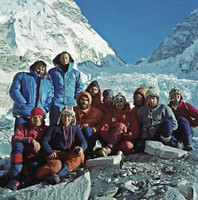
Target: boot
13	185
187	141
52	179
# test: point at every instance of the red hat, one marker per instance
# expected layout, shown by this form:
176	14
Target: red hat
36	111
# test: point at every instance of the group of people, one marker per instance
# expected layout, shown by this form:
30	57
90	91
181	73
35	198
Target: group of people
79	117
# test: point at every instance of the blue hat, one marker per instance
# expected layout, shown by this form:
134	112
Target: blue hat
108	93
93	84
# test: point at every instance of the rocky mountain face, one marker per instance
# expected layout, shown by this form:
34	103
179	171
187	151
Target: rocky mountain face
181	42
32	30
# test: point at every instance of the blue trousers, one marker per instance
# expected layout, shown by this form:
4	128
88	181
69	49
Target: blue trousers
184	132
90	137
17	162
20	120
165	129
54	115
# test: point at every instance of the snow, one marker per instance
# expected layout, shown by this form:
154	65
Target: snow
90	49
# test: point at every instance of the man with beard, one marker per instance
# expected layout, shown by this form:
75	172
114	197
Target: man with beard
89	119
119	129
96	93
138	99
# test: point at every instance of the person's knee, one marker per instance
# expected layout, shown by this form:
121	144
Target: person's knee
87	131
74	161
17	147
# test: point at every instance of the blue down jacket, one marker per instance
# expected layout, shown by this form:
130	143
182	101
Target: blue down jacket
66	85
28	91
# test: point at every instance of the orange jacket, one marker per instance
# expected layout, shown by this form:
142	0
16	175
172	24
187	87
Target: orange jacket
90	117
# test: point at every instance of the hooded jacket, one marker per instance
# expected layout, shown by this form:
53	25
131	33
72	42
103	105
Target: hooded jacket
29	91
149	125
66	85
97	101
120	116
91	116
187	111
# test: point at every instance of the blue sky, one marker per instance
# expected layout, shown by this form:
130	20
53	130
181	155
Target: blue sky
135	28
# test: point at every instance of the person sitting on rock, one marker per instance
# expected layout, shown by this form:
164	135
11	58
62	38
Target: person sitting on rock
157	121
30	90
96	93
120	127
89	119
107	104
139	99
64	146
26	156
187	117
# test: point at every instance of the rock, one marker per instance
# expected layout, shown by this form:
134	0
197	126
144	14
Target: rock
173	194
163	151
109	160
192	194
149	193
78	189
110	192
130	187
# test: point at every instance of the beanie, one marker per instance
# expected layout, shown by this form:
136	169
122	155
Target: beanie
108	93
36	111
93	84
68	110
175	90
119	97
152	91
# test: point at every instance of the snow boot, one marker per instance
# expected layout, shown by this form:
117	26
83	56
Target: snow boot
52	179
13	185
188	143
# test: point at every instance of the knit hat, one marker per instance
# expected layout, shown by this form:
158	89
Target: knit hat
68	110
93	84
152	91
119	97
108	93
175	90
36	111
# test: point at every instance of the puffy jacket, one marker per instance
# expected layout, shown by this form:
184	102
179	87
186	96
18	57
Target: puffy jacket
62	138
66	85
120	116
91	116
26	133
29	91
97	101
149	125
188	111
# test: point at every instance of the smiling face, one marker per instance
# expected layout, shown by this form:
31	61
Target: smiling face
66	120
176	98
108	101
119	105
37	120
39	69
152	101
94	91
64	59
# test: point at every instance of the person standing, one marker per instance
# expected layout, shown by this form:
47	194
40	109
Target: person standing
30	90
187	117
157	121
67	84
96	93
